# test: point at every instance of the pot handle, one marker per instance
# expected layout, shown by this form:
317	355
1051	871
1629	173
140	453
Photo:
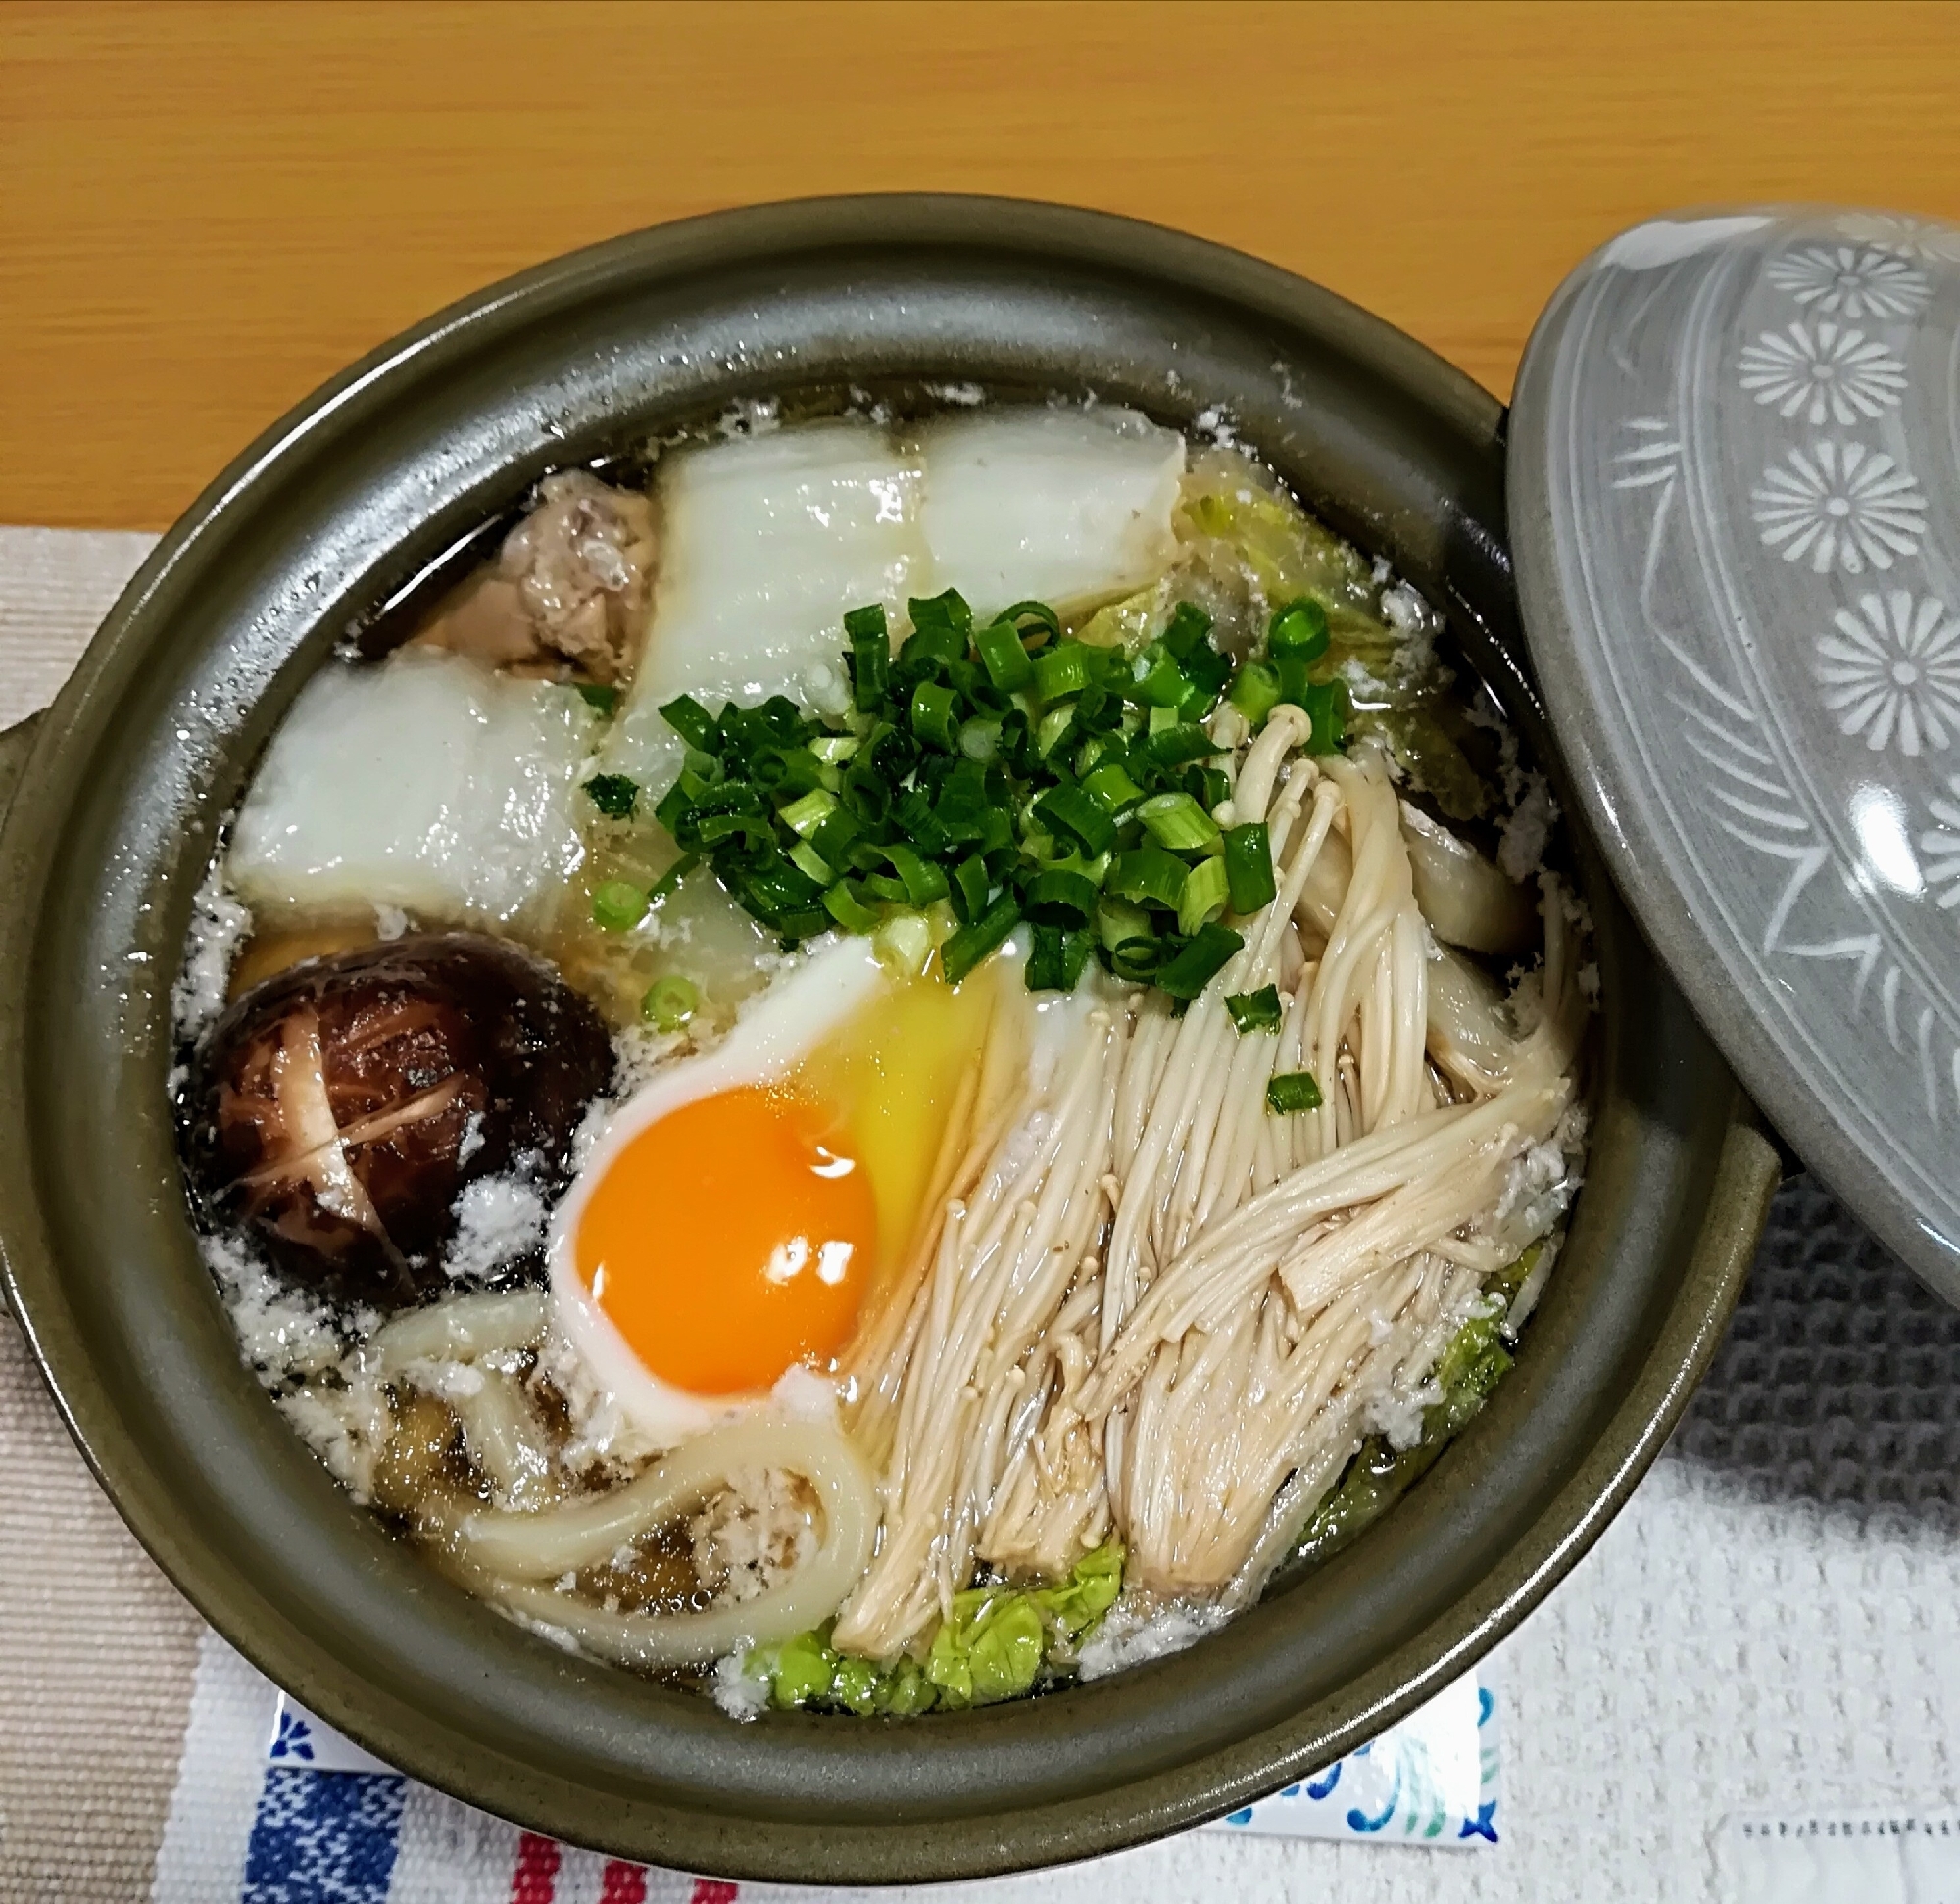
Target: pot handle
16	743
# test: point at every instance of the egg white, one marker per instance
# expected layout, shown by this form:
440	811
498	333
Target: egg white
835	981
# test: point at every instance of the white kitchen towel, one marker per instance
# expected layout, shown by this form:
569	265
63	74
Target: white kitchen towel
1755	1673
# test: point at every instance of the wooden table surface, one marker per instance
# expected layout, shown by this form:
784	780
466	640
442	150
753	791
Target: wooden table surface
205	210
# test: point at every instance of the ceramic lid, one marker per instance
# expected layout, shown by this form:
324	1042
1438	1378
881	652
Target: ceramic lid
1734	508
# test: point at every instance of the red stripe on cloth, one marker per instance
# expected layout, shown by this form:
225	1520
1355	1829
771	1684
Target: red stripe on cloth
532	1878
714	1890
623	1883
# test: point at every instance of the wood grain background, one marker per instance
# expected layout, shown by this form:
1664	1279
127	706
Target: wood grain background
206	209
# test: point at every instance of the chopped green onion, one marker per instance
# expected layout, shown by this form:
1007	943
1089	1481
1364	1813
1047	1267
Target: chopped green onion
848	909
947	610
1056	898
1204	895
1255	691
933	716
669	881
980	739
1292	671
1186	631
1141	959
870	656
670	1003
674	805
969	886
1115	922
1254	1010
1177	821
618	905
1179	744
952	781
803	923
904	940
1004	658
1055	962
1062	671
1327	707
972	943
1072	810
1209	786
1096	710
1300	628
789	770
1096	751
836	836
930	831
1148	874
804	816
1292	1091
1112	789
1155	679
1054	728
1198	961
613	795
1249	866
1198	703
805	858
1207	671
691	721
1032	611
604	699
923	882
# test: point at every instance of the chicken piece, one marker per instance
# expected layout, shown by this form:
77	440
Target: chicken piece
583	563
571	582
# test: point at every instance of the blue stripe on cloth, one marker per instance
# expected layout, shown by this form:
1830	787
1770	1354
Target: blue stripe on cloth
323	1837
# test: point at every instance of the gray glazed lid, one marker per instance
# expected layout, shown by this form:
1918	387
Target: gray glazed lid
1735	510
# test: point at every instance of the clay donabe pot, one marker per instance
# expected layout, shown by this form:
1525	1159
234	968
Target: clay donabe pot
121	788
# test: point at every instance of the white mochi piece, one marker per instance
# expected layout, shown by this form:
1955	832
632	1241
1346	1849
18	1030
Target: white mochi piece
428	783
766	543
1068	507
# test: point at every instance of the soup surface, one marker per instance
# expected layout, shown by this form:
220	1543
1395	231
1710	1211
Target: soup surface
882	1066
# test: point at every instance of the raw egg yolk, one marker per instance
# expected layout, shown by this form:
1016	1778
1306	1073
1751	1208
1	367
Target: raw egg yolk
730	1240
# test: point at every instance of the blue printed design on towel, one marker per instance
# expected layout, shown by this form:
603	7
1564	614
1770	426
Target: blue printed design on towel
323	1837
1360	1821
1320	1788
295	1739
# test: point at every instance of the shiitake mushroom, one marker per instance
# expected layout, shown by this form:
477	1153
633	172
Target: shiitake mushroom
336	1109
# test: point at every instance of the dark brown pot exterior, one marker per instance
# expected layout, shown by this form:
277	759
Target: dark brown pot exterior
132	770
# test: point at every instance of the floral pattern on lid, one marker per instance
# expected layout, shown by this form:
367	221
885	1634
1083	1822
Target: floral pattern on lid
1839	506
1735	503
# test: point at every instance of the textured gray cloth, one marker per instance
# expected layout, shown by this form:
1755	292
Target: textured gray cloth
96	1648
1773	1623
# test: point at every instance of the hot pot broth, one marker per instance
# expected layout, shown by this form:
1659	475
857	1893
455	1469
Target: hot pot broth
880	1069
